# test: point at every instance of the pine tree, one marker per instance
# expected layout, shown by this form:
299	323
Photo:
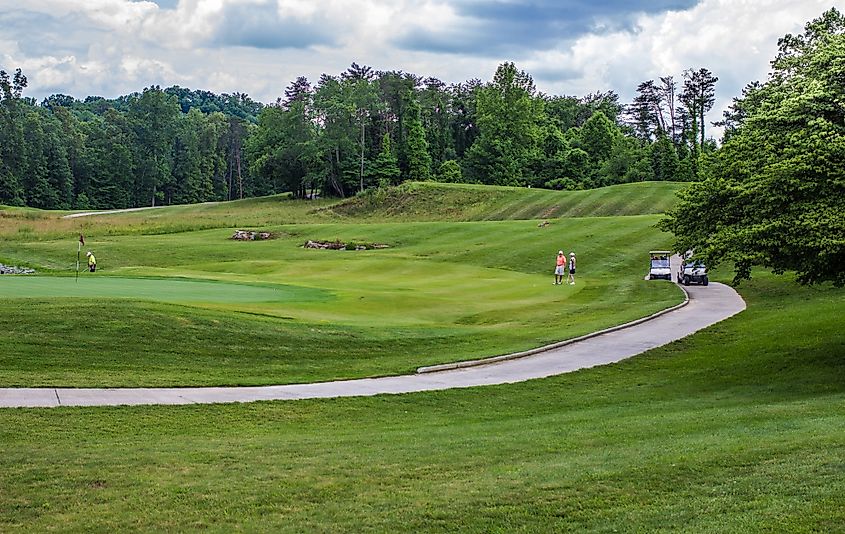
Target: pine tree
419	160
384	170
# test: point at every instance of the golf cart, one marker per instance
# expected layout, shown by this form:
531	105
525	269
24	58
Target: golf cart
692	271
660	265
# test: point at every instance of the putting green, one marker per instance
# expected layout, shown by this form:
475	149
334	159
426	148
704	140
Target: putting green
155	289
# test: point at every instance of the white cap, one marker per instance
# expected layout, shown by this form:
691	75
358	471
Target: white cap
560	252
88	253
571	253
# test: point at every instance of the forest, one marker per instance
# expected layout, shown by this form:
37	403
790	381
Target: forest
342	135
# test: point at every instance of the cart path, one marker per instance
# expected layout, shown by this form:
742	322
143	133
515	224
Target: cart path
108	212
127	210
706	306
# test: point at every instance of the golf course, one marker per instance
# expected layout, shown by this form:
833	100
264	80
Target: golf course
737	428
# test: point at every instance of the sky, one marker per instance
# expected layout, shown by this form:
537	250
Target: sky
570	47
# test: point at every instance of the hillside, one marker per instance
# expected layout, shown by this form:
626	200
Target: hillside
426	201
414	201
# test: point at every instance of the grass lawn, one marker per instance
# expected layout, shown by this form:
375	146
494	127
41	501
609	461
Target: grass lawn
739	428
196	308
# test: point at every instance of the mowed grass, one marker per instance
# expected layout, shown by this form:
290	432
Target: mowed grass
273	312
427	201
739	428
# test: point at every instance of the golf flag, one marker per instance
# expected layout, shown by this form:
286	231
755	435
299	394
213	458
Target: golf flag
78	251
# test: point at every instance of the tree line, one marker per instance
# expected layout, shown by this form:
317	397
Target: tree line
774	194
342	135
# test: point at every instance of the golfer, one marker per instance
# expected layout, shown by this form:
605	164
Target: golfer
560	265
92	261
572	268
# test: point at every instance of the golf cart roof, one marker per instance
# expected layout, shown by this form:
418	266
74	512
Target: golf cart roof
660	252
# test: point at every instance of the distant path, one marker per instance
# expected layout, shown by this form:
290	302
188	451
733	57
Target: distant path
706	306
126	210
108	212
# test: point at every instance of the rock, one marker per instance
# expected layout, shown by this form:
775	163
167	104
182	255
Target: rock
10	269
250	235
340	245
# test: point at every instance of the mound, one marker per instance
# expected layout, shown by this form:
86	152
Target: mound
429	201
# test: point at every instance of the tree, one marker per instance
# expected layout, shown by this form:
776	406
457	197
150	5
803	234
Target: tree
667	92
665	165
775	190
450	171
645	114
597	138
384	170
12	110
698	96
508	124
153	115
419	160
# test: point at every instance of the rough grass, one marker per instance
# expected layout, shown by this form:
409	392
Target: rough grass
738	428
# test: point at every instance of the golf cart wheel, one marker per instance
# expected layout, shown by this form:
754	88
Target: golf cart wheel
705	281
686	280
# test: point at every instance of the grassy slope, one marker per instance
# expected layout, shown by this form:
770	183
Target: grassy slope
737	429
410	202
446	291
428	201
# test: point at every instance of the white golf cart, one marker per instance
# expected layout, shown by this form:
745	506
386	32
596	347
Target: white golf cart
660	265
692	271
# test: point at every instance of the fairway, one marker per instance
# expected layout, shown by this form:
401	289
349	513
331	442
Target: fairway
743	416
183	304
93	286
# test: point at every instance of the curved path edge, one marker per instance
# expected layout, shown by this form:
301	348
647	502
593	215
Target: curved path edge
704	307
557	345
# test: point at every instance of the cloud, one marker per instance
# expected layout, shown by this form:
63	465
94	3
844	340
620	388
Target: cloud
489	27
264	26
114	47
735	40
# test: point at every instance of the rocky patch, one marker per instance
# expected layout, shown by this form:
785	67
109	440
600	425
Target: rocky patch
251	235
10	269
340	245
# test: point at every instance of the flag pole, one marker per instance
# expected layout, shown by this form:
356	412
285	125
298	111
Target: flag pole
78	252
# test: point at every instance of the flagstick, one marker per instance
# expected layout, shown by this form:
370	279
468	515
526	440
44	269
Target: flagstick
78	250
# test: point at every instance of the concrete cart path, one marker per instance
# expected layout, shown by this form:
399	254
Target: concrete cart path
128	210
108	212
706	306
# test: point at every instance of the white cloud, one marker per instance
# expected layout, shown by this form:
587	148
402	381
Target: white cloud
736	40
114	47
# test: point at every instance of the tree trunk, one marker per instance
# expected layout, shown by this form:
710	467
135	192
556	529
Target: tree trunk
361	176
240	178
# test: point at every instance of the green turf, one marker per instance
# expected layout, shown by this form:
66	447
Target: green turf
739	428
176	302
427	201
91	286
448	291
